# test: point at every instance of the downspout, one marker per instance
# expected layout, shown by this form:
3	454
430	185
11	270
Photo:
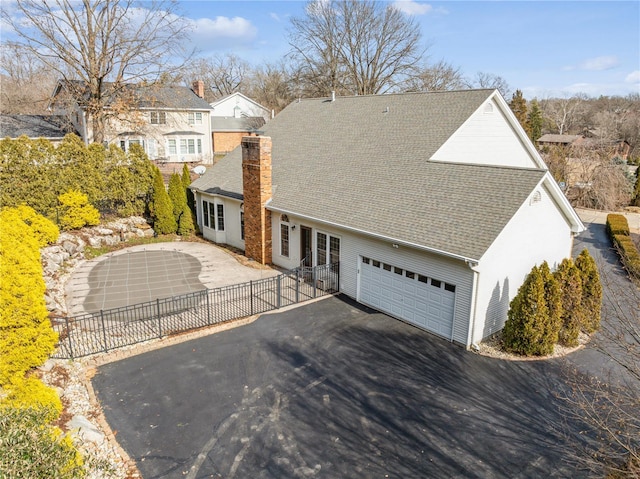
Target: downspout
474	303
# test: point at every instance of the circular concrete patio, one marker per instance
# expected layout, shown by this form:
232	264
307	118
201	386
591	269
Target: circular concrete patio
147	272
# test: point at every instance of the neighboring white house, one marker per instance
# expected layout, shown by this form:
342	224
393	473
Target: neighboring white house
233	117
172	123
436	205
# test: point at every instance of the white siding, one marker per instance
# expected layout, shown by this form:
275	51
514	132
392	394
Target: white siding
486	138
353	245
231	234
247	107
537	232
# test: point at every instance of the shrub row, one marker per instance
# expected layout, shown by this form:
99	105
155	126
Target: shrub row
554	307
618	229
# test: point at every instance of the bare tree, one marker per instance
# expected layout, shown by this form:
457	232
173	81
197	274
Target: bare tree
490	80
359	47
565	113
610	403
26	82
272	85
439	76
98	45
222	74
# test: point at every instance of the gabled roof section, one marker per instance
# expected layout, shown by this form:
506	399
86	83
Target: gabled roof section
142	95
363	163
35	126
237	94
245	124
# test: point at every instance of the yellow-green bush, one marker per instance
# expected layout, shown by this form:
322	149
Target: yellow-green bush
31	392
26	336
629	254
76	211
45	231
30	448
617	225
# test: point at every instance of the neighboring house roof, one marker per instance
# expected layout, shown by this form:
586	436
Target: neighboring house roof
35	126
144	96
246	124
363	163
560	139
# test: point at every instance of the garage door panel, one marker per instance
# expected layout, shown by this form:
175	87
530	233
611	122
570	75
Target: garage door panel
411	296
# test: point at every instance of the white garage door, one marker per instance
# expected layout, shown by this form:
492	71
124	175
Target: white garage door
417	298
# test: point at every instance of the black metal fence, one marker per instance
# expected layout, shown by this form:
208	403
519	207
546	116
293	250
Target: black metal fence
115	328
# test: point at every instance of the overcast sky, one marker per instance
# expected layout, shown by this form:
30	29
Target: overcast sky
544	48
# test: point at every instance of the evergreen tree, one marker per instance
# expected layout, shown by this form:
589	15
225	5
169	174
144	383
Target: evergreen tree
591	291
525	331
553	297
76	212
161	208
186	181
570	281
181	211
519	107
535	120
636	189
80	168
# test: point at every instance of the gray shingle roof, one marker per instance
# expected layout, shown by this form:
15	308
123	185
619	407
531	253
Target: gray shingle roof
35	126
363	162
223	123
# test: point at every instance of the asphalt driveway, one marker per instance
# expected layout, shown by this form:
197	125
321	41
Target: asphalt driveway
335	390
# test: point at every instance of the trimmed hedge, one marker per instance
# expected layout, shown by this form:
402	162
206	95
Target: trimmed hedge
617	225
618	230
628	253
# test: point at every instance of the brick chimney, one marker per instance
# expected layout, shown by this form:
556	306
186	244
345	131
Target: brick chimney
256	185
198	88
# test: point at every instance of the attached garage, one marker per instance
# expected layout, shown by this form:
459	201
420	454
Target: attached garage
412	296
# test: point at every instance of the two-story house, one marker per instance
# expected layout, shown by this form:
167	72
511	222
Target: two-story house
172	123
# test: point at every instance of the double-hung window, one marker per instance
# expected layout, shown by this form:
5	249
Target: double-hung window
158	118
220	214
205	213
327	249
284	239
195	118
213	215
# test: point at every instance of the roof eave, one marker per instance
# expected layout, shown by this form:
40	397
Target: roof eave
390	239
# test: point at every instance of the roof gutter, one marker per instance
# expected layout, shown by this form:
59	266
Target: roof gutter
469	261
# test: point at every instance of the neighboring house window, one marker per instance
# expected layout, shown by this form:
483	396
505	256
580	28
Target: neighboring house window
327	249
220	217
284	239
195	118
173	149
199	146
183	146
205	213
191	146
151	148
123	145
158	118
242	225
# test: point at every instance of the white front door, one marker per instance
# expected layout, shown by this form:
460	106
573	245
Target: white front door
414	297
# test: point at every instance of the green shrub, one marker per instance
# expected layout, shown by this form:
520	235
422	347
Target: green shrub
161	208
553	298
526	330
629	254
617	225
32	393
186	181
181	211
44	230
570	281
29	448
76	212
26	336
591	291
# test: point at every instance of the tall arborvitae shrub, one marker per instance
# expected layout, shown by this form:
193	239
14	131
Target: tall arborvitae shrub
591	291
525	329
186	182
570	281
161	208
553	297
181	211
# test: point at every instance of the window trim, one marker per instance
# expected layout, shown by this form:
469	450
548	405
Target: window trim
285	239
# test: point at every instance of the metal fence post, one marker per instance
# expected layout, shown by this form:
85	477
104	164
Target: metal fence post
251	295
297	285
104	331
278	291
159	318
66	321
314	277
208	307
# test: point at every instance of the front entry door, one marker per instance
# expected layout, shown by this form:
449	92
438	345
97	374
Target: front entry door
306	253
